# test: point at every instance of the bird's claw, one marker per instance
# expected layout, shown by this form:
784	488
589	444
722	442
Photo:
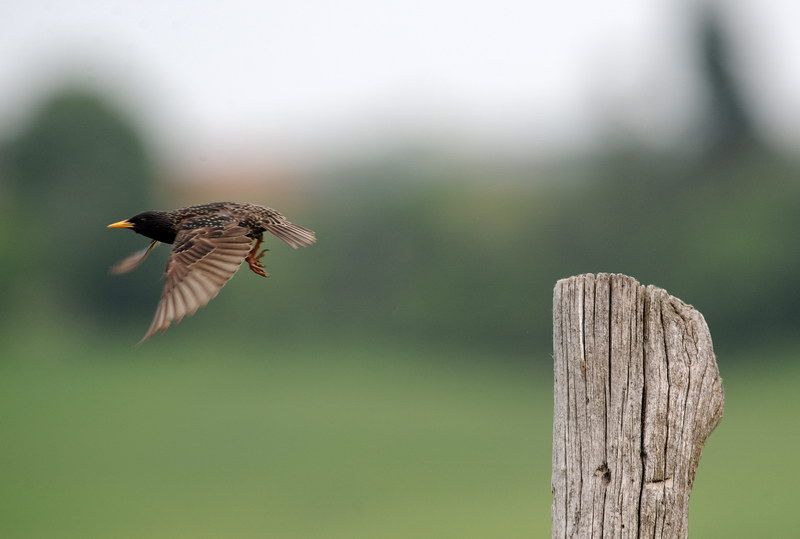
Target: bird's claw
256	266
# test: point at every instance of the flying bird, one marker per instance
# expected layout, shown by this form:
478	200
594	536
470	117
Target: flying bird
209	243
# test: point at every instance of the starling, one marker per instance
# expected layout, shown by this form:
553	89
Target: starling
209	243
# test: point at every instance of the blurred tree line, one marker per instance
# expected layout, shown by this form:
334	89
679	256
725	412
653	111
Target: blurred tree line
417	247
77	160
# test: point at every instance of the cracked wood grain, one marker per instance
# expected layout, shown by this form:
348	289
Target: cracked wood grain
637	393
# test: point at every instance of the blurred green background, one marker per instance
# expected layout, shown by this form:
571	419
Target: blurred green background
394	380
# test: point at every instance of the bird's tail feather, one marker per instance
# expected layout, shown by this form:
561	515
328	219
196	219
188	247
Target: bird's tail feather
293	235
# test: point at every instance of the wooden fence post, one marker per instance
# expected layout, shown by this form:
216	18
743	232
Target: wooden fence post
637	392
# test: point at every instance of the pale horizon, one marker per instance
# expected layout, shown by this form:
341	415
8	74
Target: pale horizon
312	81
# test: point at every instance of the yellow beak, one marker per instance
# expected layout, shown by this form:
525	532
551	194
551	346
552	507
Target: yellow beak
121	224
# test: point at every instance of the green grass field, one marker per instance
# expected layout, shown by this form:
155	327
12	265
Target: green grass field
356	442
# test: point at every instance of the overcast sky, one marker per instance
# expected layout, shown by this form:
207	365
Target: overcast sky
310	75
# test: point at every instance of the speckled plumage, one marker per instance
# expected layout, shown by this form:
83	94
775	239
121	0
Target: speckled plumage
209	243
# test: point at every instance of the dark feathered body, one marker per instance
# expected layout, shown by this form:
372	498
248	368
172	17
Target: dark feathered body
209	243
163	226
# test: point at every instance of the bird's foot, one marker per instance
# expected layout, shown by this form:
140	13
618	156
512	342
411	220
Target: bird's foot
255	265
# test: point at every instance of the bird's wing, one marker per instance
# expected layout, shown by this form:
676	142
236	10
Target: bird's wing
202	261
292	234
130	263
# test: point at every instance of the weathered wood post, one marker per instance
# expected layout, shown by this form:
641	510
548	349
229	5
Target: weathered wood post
637	392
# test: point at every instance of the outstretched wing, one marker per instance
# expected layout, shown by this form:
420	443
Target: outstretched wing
133	261
202	261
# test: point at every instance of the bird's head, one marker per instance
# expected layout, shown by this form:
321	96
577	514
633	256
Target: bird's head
156	225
